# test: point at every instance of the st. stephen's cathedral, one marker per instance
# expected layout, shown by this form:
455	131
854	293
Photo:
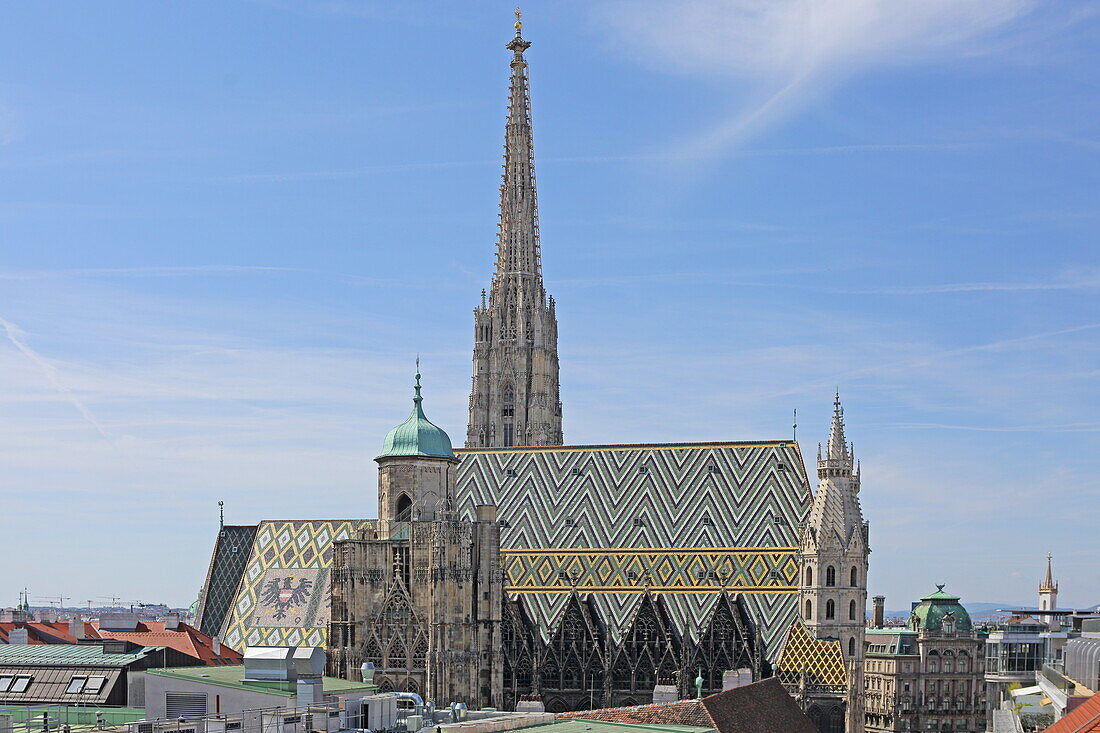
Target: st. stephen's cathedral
520	565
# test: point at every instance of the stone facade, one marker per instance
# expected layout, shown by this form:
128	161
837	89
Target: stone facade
419	592
514	398
832	596
422	601
414	488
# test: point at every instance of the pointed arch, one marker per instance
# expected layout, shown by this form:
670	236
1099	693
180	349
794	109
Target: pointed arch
809	614
855	577
518	641
830	576
648	650
830	609
726	642
809	576
573	660
403	507
852	610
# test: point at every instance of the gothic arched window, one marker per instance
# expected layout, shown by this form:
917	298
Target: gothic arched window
830	576
404	508
855	577
852	647
809	576
507	412
851	610
830	609
809	609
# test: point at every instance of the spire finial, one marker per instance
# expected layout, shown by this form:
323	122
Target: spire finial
417	398
221	516
517	44
794	427
1048	581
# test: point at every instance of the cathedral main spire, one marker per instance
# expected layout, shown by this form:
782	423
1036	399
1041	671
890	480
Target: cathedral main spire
514	396
518	234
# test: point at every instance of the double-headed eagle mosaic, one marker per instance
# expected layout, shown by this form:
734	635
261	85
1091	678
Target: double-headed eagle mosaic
283	596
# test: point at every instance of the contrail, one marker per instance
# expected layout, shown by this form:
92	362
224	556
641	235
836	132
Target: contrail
16	335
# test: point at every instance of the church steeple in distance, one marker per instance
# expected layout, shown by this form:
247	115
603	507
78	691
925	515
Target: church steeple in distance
514	398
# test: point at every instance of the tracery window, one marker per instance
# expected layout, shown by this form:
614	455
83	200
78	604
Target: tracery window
830	576
830	609
507	412
809	609
404	508
855	577
851	610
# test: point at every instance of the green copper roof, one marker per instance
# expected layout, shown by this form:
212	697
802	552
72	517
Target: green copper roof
930	613
417	436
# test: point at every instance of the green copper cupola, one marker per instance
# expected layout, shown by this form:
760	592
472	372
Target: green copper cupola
417	436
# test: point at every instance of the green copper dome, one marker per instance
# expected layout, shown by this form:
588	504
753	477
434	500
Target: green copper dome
930	613
417	436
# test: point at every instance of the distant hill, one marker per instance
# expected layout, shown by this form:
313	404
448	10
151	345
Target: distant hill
983	610
976	610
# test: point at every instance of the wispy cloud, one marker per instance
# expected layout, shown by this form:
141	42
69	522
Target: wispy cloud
138	271
17	337
792	50
1081	427
1085	279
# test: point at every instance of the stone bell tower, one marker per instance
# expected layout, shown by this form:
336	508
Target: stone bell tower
833	554
514	397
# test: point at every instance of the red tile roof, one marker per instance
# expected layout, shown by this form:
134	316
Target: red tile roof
762	707
1085	719
680	712
185	638
55	632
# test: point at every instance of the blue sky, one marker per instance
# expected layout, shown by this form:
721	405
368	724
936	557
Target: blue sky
227	228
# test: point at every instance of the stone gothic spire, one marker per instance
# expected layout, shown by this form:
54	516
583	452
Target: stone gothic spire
518	235
835	512
1048	585
514	397
833	563
1048	595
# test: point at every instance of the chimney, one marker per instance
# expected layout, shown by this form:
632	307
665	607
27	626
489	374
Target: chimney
732	678
171	622
18	636
486	512
530	704
216	645
76	628
665	690
878	612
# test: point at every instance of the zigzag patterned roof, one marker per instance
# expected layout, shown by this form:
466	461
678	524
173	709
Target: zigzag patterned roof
685	520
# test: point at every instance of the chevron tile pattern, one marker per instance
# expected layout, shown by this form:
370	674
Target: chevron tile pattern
687	519
285	551
820	660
